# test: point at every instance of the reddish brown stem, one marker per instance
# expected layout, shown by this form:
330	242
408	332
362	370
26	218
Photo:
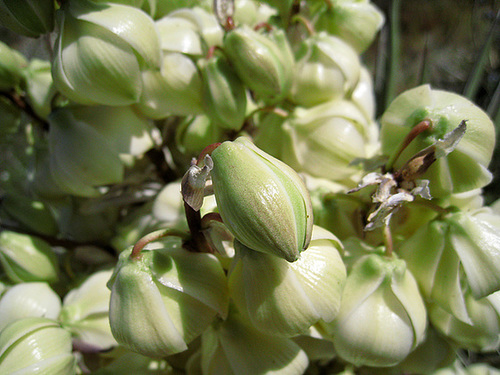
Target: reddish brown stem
153	236
206	151
414	132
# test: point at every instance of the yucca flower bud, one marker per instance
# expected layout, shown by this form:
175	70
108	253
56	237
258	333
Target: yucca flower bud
460	249
178	34
194	133
90	145
357	22
36	346
289	298
323	140
12	65
251	13
262	201
28	17
327	68
165	298
205	21
174	89
382	317
463	169
35	299
481	333
101	50
85	313
224	95
26	258
363	95
263	62
233	346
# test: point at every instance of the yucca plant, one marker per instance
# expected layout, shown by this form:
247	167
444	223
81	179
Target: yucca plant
248	187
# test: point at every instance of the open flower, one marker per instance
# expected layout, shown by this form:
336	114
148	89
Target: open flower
462	170
461	249
166	298
382	317
327	68
101	50
233	346
323	140
35	299
286	299
481	333
36	345
26	258
357	22
85	313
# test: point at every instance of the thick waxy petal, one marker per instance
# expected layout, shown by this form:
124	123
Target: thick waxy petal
462	170
232	347
382	317
36	346
289	298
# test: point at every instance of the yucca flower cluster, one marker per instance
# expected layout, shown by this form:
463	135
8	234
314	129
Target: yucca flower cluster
202	187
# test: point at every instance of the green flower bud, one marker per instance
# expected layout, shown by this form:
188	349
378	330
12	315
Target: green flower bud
327	68
28	17
481	333
263	62
224	95
323	140
195	133
178	34
173	90
286	299
164	299
462	170
251	13
26	258
25	300
40	89
385	338
460	250
233	346
357	22
85	313
101	51
12	65
203	18
36	346
363	95
262	201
